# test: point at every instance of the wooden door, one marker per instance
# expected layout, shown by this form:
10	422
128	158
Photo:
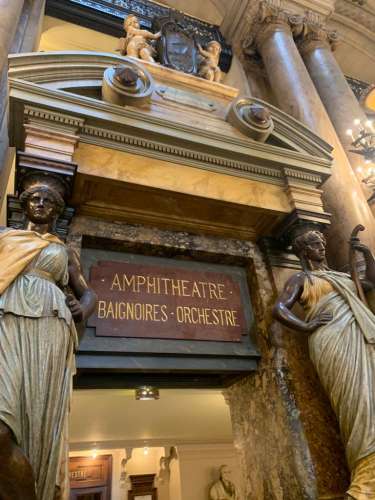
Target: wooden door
143	487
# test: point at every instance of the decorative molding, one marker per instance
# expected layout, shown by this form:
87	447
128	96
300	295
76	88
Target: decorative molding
41	114
133	144
297	147
49	134
315	35
315	179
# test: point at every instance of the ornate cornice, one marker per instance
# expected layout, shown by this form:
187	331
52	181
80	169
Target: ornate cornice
271	17
315	34
309	31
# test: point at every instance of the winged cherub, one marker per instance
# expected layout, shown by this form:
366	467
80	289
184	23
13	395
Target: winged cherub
136	43
209	67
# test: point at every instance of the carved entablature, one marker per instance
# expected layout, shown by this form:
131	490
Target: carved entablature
169	133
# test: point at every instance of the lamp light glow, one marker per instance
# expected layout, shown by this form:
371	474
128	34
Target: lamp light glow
146	393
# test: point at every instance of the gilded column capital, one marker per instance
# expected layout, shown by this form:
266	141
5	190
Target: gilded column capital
314	35
271	18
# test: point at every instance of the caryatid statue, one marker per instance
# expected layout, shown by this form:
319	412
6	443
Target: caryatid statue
224	488
341	346
136	43
209	67
38	338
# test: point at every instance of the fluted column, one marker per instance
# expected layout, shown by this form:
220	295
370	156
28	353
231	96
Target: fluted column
316	46
296	95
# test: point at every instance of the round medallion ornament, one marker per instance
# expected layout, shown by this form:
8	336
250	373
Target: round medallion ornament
127	84
251	117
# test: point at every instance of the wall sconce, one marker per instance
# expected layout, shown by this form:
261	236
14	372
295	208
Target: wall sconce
146	393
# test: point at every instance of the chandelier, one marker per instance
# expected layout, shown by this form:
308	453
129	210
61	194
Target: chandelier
363	143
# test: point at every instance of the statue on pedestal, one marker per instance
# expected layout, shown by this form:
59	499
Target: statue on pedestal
136	43
209	67
38	311
341	346
224	489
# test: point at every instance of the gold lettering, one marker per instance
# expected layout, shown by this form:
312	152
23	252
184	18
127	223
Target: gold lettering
126	282
195	291
203	284
110	311
201	316
165	282
101	309
234	316
149	312
220	311
130	310
163	309
194	312
185	291
212	290
141	280
216	320
116	282
179	314
228	317
122	310
220	288
151	284
187	314
206	316
176	287
138	311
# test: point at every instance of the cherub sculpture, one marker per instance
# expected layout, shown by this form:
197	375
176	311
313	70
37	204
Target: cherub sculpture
209	67
135	43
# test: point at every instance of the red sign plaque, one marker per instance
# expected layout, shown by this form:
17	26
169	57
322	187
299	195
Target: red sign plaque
164	302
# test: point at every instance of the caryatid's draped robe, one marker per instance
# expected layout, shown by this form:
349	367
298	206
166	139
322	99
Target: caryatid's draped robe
343	353
37	343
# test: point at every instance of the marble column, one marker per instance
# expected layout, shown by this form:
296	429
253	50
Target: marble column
10	13
316	46
296	95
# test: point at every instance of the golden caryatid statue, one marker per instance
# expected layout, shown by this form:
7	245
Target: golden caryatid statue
38	338
136	44
209	67
341	345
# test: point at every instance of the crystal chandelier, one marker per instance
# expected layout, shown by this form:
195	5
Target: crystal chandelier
363	143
